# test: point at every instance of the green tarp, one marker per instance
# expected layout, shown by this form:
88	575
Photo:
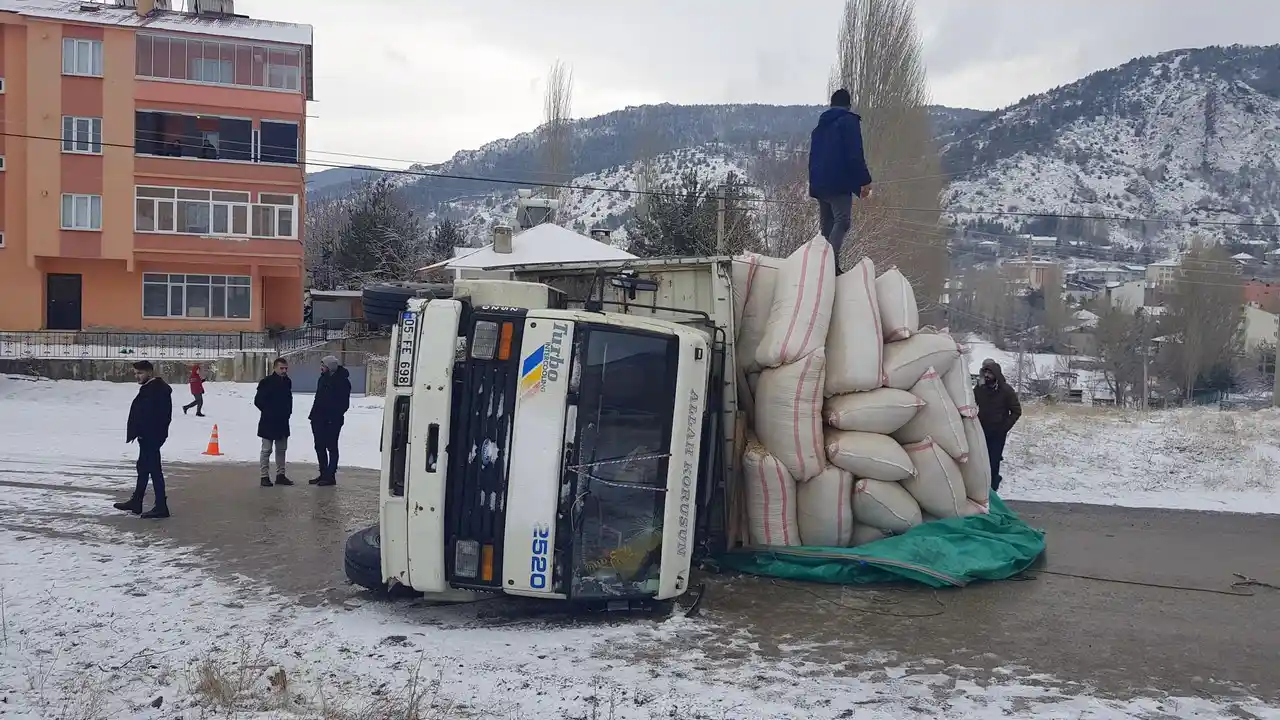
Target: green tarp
943	553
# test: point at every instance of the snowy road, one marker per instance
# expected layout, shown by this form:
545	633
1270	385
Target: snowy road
102	614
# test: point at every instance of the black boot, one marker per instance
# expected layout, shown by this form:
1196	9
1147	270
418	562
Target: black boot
266	481
282	480
327	481
133	505
160	511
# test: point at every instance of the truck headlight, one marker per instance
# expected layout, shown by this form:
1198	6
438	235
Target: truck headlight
466	558
484	340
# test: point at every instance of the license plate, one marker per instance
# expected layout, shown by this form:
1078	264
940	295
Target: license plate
405	350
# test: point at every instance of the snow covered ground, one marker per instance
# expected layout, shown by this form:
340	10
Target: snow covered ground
97	622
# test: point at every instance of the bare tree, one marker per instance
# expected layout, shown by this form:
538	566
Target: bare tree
557	133
322	241
646	169
992	304
789	217
1121	344
1203	318
881	63
1056	314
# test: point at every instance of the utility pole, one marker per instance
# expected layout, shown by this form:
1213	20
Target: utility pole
720	213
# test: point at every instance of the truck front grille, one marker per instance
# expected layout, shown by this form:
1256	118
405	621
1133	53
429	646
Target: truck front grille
478	461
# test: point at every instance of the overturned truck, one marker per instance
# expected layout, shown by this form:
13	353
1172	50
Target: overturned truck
576	433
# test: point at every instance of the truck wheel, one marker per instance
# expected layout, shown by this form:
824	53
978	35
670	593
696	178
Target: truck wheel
362	562
384	303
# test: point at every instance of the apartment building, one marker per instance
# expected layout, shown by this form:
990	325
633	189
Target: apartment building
151	166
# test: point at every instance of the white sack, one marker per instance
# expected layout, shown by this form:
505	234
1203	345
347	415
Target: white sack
824	509
960	387
788	414
899	316
883	410
855	350
868	455
863	534
937	485
905	361
754	277
937	419
885	506
771	498
969	508
804	290
976	472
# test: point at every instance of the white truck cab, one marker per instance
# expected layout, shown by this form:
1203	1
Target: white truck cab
542	452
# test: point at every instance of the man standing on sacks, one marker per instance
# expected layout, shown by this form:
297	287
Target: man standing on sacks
837	169
998	411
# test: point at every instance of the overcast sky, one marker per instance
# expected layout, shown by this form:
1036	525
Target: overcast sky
400	81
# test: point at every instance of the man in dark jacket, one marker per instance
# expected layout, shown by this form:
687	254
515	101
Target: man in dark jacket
837	169
328	410
274	399
149	418
998	411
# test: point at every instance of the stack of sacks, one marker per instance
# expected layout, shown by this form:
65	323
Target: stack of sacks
786	309
902	437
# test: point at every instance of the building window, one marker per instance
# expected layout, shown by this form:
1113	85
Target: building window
1	240
219	63
193	136
81	134
81	57
227	297
81	212
278	142
183	211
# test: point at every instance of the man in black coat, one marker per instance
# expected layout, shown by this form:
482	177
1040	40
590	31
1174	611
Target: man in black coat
274	399
837	169
149	418
328	410
998	411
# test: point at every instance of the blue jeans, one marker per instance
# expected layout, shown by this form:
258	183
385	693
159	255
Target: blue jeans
836	213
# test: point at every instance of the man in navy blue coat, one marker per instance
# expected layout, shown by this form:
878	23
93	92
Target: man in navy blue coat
837	168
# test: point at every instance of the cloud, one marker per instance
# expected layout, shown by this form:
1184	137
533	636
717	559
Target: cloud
418	81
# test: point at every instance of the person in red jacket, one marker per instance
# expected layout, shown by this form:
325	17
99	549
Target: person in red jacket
196	381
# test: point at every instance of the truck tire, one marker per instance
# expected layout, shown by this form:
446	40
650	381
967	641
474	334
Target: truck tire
384	303
362	561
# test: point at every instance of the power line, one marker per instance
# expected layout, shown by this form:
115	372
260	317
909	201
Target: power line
669	194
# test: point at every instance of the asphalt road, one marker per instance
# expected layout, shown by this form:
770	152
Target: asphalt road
1116	632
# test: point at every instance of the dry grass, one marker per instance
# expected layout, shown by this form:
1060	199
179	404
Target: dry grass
245	683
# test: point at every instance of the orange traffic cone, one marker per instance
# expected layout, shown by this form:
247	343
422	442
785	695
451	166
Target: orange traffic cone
213	448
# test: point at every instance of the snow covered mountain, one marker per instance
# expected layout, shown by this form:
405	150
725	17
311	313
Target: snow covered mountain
1189	134
1185	134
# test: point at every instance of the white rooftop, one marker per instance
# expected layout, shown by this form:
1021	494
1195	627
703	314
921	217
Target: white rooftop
241	28
542	244
1243	256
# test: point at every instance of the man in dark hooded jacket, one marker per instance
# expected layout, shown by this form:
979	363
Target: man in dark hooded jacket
328	411
837	169
274	399
149	418
998	411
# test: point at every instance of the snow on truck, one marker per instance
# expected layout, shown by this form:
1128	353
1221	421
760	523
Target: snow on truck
562	435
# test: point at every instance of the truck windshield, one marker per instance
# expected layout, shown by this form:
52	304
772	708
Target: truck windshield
626	390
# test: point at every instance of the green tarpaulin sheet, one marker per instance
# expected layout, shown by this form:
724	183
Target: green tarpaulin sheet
943	553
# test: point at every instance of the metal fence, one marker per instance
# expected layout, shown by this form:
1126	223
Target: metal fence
92	345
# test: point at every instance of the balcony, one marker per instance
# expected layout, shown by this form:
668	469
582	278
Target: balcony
212	137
